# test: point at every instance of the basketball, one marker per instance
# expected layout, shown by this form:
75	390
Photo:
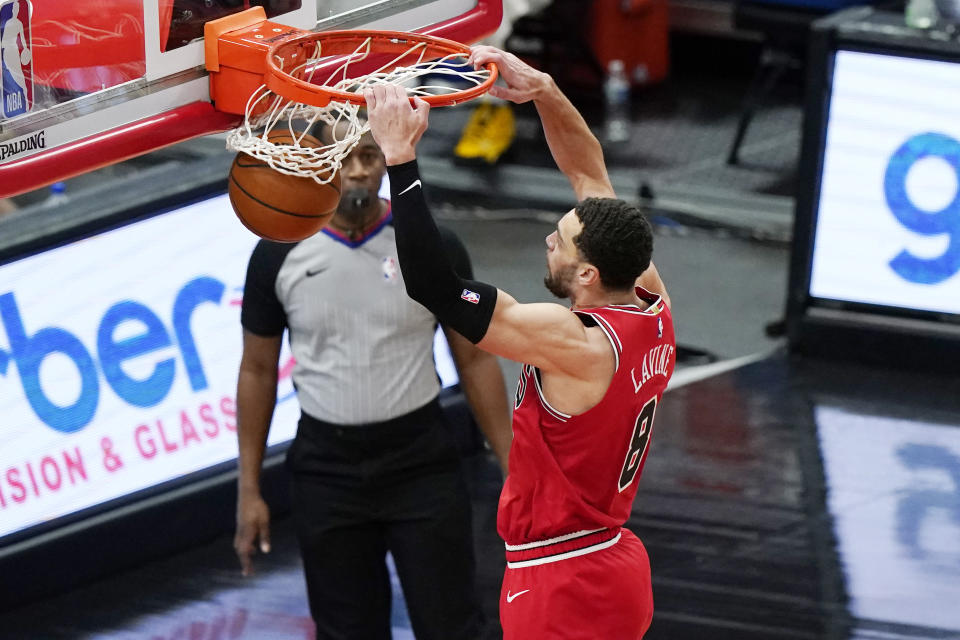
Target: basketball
276	206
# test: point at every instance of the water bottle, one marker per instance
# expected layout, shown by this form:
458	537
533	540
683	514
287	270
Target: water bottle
616	95
57	195
921	14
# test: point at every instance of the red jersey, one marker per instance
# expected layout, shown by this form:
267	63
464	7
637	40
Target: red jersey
570	475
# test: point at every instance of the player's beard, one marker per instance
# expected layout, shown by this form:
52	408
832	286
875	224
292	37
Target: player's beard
559	283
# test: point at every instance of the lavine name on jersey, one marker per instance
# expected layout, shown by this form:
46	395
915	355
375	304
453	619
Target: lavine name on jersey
655	363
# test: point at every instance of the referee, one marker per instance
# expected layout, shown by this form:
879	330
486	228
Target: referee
374	467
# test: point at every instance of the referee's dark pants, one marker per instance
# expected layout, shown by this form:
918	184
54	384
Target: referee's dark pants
360	491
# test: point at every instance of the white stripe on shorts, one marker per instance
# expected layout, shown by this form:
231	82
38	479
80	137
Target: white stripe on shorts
564	556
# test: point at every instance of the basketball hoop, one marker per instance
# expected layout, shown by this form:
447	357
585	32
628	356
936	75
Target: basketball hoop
318	78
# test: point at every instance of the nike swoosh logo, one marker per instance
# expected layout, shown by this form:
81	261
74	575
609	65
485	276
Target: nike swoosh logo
511	598
415	183
311	273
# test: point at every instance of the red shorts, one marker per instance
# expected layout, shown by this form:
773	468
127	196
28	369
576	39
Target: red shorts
598	591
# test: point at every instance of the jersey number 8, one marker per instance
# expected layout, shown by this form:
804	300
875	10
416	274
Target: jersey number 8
638	443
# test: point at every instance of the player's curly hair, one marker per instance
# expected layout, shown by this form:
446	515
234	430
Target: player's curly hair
616	238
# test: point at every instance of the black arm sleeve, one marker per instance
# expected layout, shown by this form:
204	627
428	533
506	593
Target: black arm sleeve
465	306
457	253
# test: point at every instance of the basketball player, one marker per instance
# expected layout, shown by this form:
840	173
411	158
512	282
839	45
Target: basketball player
374	467
594	373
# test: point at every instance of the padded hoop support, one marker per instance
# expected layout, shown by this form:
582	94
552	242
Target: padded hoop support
236	48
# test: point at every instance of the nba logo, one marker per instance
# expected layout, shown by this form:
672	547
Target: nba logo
390	269
16	57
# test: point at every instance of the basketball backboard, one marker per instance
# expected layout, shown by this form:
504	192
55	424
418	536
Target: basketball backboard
86	85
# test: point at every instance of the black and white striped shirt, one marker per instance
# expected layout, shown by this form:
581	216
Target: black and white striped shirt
363	349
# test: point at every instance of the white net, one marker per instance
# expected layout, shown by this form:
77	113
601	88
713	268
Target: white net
268	112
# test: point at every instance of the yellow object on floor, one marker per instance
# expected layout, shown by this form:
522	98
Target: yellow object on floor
488	133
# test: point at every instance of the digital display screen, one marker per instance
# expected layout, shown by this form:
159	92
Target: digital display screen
119	356
888	217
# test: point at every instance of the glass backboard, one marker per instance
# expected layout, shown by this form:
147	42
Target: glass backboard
86	85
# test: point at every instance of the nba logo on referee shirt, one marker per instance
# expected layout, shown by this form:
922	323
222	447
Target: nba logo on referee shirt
16	58
470	296
390	269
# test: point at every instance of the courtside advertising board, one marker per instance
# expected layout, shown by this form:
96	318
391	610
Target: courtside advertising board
119	357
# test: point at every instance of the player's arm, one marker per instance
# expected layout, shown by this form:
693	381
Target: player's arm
256	398
544	335
575	149
482	383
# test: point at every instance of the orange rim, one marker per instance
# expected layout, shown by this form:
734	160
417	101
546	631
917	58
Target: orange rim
338	46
